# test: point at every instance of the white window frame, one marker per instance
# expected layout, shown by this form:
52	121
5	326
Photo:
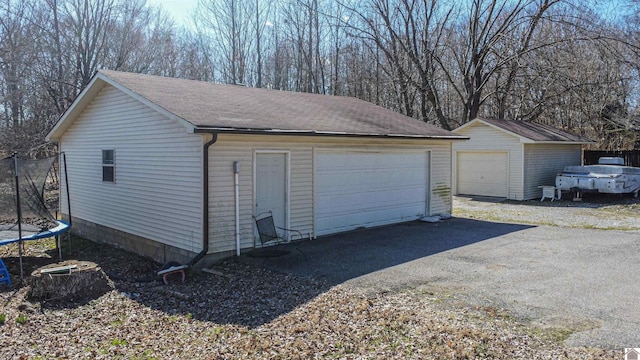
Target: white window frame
107	164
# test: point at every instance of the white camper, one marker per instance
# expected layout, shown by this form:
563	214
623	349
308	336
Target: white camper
610	176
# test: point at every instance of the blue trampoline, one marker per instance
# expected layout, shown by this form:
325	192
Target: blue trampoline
29	233
29	200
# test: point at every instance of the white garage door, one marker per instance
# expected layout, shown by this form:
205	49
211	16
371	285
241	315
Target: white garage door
363	189
482	173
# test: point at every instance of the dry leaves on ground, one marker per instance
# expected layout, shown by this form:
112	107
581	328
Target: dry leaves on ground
255	313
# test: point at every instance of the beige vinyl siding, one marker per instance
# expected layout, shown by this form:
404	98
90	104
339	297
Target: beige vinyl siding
222	196
158	177
222	155
488	139
301	189
242	148
542	162
440	182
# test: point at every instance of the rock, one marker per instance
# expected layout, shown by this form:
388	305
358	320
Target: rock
27	307
445	216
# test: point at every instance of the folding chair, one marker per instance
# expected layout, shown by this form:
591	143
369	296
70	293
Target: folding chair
272	235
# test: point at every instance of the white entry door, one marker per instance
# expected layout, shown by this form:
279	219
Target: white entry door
271	186
364	189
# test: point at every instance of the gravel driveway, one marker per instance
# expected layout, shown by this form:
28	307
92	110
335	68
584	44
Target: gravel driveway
582	280
461	288
596	212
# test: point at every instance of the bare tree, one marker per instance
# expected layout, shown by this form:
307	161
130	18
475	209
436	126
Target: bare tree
227	21
408	33
444	62
16	58
88	22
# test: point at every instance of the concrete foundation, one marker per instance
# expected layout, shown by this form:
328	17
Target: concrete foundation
162	253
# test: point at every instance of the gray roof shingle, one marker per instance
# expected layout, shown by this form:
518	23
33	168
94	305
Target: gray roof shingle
536	131
237	108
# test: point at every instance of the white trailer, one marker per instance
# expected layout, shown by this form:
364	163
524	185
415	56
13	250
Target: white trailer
609	177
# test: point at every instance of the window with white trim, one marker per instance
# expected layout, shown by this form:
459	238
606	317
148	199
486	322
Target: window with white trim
108	166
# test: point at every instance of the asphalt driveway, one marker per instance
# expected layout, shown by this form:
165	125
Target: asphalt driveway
584	280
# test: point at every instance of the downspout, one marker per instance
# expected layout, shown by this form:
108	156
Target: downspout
66	184
236	186
205	200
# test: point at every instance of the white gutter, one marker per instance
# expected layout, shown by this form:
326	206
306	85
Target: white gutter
236	184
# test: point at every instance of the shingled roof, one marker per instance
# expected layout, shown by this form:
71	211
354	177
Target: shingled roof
228	108
534	132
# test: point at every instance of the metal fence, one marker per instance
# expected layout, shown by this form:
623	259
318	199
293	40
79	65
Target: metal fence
631	157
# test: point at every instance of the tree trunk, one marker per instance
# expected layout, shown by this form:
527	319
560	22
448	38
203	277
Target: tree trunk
258	50
70	281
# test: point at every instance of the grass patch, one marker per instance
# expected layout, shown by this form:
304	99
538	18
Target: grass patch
556	335
118	342
22	319
524	214
496	313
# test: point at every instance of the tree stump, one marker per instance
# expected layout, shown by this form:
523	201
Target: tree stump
70	280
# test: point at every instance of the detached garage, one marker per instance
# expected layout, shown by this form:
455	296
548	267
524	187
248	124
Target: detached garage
193	162
511	159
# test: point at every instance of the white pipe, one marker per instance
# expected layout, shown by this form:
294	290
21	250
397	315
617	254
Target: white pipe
236	183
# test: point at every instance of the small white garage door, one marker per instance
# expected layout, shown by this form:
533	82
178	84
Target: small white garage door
482	173
363	189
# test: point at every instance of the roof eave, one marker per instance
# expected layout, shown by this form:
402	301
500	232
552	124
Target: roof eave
77	106
566	142
207	130
188	125
90	91
466	125
523	139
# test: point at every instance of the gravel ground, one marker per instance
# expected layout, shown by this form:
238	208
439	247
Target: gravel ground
258	314
594	212
250	312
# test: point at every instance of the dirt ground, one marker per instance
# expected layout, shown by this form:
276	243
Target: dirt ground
481	285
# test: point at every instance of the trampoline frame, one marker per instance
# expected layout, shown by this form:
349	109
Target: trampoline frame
61	228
